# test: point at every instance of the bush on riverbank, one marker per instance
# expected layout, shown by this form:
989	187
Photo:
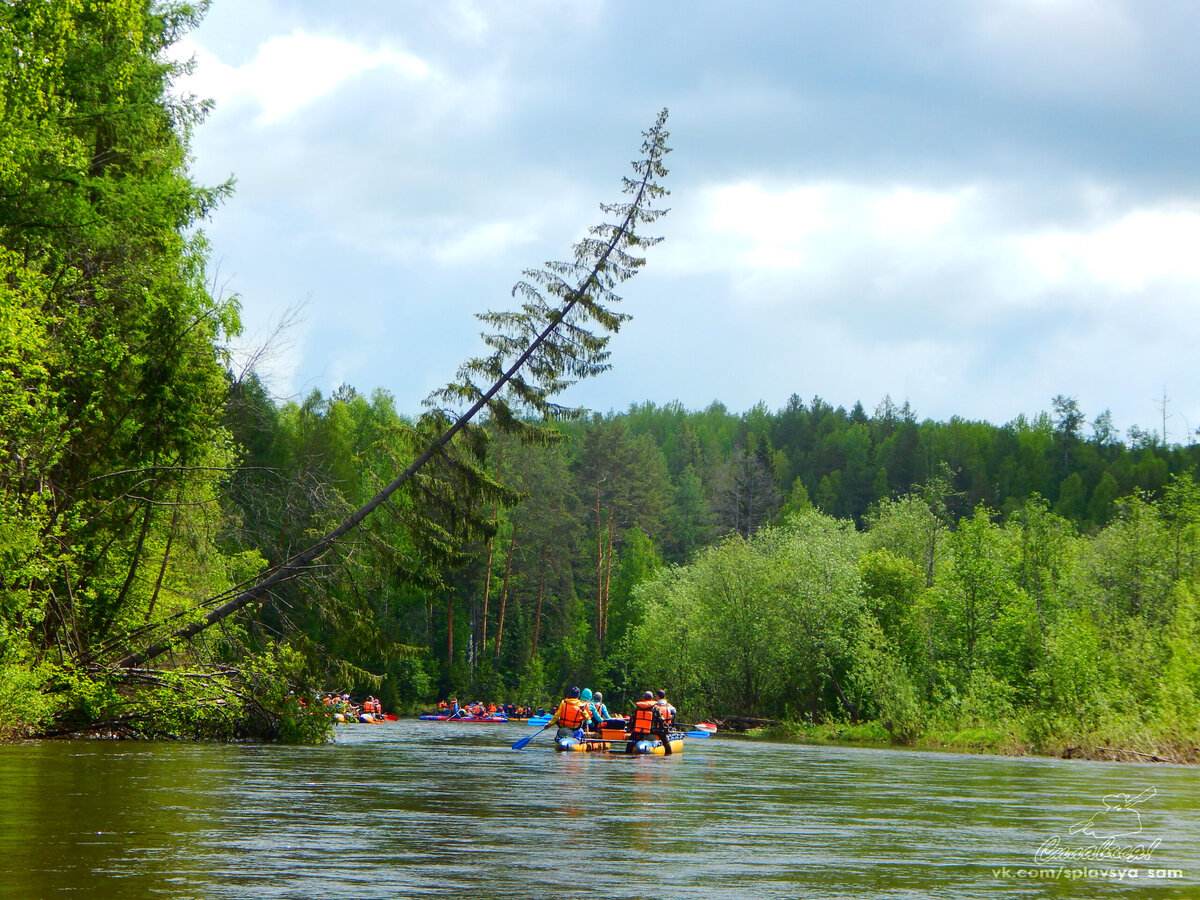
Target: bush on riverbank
1011	635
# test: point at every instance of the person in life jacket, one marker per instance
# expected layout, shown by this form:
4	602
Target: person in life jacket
599	709
585	697
571	715
662	716
668	711
642	720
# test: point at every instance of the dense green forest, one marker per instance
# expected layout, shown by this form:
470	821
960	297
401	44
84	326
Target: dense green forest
180	551
1025	574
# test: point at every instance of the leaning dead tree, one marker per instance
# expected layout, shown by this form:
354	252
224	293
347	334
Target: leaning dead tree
536	352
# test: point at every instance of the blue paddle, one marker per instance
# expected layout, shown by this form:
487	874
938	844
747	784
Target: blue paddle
519	745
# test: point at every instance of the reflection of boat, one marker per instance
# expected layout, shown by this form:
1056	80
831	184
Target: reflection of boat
469	720
618	744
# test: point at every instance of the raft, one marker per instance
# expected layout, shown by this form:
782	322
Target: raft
620	746
470	720
363	718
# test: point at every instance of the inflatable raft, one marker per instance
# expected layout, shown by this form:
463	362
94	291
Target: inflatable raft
614	739
621	746
469	720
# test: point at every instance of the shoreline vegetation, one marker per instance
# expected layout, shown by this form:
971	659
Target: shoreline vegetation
181	554
1009	741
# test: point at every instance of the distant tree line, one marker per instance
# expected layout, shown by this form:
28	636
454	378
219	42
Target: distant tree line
810	561
657	494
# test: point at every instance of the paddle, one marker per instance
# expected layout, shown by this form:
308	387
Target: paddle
520	745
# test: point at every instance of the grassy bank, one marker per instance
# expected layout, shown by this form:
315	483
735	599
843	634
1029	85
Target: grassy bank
1122	742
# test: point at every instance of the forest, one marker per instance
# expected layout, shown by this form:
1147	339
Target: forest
182	553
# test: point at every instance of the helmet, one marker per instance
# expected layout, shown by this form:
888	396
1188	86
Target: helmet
662	695
597	696
647	696
573	692
586	694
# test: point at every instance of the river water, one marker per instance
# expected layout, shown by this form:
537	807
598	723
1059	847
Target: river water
428	809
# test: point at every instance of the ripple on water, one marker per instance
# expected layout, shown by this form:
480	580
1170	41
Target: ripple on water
435	810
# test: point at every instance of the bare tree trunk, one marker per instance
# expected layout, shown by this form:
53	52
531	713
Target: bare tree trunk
487	578
504	591
162	569
599	568
449	629
597	276
537	616
608	567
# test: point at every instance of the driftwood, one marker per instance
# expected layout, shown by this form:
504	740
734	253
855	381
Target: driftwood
1148	756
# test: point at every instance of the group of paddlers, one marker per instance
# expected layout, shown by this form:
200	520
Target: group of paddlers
341	705
479	710
581	712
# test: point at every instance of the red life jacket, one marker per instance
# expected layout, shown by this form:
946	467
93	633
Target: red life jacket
570	714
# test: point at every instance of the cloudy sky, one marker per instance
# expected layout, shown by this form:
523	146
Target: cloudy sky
971	206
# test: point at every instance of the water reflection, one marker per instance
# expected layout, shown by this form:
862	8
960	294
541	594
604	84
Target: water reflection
435	810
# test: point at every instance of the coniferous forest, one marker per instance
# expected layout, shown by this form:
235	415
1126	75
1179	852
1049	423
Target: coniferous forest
175	557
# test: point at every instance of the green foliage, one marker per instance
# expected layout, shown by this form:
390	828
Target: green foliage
881	683
755	623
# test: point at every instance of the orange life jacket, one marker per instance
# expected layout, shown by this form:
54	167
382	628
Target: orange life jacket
643	716
666	711
571	713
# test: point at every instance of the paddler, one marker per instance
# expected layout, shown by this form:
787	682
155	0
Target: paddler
662	717
642	721
596	708
585	697
601	710
668	711
571	715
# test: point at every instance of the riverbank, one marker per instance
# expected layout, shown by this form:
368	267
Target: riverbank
1115	744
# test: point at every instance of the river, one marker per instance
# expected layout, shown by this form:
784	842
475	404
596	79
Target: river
416	809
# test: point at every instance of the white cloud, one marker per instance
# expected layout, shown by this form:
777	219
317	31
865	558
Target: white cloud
786	241
290	72
909	213
1138	248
